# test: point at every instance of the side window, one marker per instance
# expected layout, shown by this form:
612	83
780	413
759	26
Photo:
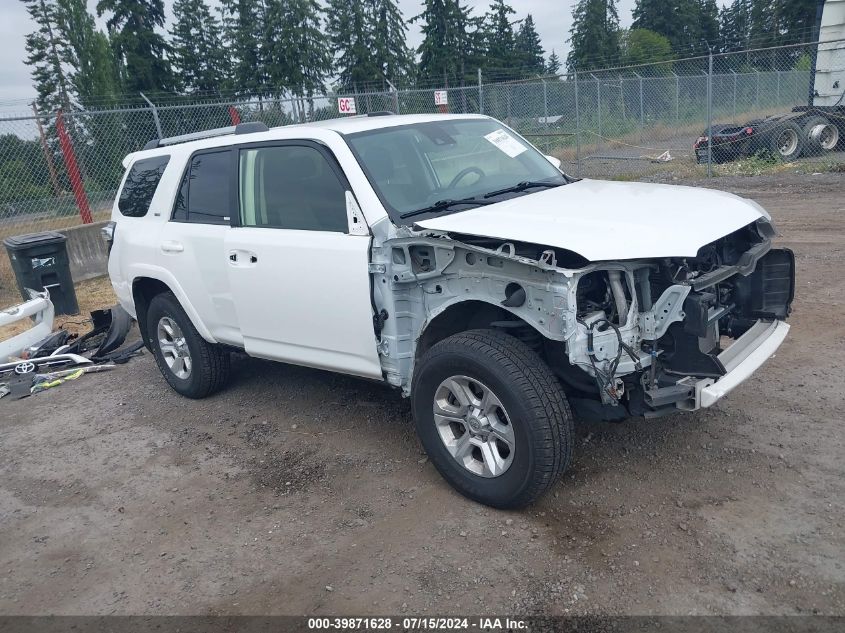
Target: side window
204	193
140	186
291	187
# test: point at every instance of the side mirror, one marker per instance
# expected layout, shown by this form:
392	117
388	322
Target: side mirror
554	161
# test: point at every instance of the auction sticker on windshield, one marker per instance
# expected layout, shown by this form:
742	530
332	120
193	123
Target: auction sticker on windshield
506	143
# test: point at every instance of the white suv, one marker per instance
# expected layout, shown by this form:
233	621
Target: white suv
446	256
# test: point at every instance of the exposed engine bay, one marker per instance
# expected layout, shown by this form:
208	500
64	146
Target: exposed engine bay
626	338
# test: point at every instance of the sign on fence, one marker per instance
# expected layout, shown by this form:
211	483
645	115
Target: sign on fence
346	105
441	98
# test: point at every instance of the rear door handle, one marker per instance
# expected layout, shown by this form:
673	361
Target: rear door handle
171	246
240	258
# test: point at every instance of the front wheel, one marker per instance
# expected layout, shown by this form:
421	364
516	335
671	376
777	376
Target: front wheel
492	417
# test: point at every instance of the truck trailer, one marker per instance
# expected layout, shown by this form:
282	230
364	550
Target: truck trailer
807	130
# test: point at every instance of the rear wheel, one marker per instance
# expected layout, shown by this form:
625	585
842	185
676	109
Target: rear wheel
787	141
822	135
492	417
191	365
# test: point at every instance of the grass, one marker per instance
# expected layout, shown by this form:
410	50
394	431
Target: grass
93	294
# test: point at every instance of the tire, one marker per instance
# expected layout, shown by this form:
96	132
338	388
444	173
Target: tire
827	139
787	141
208	366
533	413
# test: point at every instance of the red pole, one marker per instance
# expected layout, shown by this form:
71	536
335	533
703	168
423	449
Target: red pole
73	170
235	115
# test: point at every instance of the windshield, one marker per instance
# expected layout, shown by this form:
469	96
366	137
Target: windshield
440	167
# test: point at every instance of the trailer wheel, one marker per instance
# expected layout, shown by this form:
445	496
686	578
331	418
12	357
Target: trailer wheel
787	141
821	134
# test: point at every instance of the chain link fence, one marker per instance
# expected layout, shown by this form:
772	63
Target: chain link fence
652	121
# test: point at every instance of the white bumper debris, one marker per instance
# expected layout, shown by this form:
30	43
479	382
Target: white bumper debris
41	308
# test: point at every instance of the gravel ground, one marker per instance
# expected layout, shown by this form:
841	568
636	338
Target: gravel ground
297	491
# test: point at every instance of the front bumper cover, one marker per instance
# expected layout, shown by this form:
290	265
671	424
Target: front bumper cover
741	359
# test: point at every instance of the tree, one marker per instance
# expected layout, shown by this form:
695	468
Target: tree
641	46
680	21
391	55
347	28
553	64
93	77
708	23
594	35
529	49
46	53
500	52
199	62
243	34
735	25
142	52
452	42
297	55
796	20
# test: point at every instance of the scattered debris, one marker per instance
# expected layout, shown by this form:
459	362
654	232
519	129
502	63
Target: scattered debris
39	358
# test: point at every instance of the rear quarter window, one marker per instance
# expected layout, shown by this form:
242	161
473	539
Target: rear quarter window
140	186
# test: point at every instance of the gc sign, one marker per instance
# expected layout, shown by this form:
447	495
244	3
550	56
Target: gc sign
346	105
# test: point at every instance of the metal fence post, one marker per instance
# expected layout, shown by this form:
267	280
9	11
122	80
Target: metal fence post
480	94
642	110
757	93
577	131
598	102
710	116
777	99
155	114
677	98
734	100
545	102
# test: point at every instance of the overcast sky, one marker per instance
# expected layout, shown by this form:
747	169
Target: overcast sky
552	17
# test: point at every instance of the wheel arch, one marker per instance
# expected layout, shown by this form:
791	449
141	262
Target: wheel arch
463	315
146	287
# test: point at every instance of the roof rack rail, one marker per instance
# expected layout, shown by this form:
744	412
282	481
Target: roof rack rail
382	113
251	127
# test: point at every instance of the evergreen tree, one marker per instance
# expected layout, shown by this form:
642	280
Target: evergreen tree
348	31
391	54
594	35
529	49
298	58
199	61
243	34
708	21
680	21
142	52
796	20
452	42
553	64
46	53
735	25
500	52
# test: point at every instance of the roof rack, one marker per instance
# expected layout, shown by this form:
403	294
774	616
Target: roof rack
382	113
241	128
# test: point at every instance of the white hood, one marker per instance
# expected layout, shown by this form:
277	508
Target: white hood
604	220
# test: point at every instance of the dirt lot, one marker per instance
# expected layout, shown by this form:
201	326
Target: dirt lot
297	491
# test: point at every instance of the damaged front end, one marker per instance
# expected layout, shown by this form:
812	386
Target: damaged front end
692	328
625	338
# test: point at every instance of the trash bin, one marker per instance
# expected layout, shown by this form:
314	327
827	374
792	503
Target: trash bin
40	262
